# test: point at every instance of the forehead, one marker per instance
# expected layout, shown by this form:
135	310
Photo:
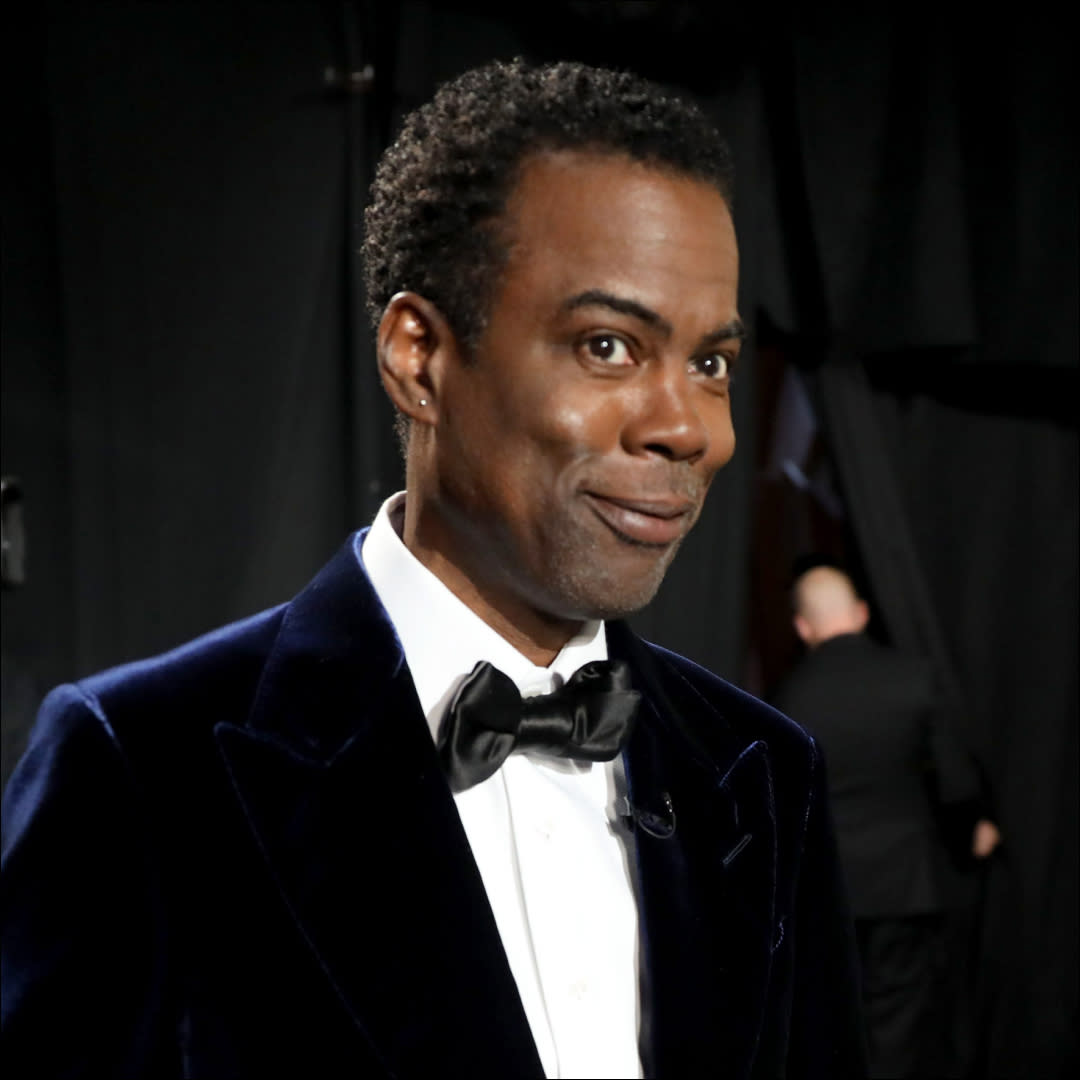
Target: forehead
580	221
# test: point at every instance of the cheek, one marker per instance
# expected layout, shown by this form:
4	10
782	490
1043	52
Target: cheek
545	452
582	423
721	443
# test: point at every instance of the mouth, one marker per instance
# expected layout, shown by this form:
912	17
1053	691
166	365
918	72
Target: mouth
655	522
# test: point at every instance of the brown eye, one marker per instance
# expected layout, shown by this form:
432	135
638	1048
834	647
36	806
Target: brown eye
713	366
608	349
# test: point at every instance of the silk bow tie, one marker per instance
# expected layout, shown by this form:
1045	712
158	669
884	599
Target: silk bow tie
588	719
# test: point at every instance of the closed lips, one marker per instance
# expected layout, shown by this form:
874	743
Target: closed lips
644	521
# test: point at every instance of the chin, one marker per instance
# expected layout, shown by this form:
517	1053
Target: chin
621	607
582	576
604	595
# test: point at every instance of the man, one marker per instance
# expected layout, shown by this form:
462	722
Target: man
880	723
284	848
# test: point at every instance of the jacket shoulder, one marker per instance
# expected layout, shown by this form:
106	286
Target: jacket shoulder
221	653
848	671
147	714
203	680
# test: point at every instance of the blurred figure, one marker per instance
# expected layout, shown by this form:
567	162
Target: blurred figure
881	725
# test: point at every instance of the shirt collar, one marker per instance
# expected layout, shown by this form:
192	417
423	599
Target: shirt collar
442	638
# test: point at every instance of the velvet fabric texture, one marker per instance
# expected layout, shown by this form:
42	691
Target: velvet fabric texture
242	858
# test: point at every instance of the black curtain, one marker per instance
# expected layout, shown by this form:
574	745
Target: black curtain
189	398
190	402
938	179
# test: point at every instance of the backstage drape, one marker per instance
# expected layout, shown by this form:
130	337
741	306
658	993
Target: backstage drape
191	403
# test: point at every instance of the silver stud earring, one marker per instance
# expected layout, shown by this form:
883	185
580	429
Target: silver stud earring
423	401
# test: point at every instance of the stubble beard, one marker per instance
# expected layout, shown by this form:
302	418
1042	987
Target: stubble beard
589	585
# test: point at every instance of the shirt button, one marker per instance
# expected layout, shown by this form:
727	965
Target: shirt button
578	989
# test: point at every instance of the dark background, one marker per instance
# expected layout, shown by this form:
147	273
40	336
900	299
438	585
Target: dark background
191	408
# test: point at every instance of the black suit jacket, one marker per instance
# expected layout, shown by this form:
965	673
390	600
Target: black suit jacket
242	859
880	722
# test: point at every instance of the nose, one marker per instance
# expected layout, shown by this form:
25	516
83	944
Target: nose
666	419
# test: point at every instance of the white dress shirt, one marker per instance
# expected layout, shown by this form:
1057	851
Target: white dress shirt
550	850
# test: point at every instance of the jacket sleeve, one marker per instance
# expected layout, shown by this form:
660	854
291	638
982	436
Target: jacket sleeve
81	919
958	793
955	774
827	1038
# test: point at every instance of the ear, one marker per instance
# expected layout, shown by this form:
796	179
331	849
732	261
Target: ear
803	629
861	615
413	345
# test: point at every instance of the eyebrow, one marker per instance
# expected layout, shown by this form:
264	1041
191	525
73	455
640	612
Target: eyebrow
625	306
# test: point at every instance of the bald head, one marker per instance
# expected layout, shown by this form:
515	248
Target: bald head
826	604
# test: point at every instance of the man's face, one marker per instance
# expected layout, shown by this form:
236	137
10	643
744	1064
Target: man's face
572	455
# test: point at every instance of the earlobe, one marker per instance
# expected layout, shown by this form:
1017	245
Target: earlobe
412	337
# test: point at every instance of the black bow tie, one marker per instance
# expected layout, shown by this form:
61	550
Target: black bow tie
588	719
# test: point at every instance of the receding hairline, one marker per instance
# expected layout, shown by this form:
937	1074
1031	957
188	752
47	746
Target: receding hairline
597	153
501	224
448	173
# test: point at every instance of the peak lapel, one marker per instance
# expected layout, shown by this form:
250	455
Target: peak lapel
707	892
342	788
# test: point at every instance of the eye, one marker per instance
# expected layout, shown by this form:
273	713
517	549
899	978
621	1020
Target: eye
714	366
608	349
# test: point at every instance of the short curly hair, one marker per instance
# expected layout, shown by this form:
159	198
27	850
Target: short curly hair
432	225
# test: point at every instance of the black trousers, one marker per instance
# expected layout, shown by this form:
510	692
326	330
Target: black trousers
901	961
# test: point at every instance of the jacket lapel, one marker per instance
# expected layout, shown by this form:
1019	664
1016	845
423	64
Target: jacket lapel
707	891
341	785
342	788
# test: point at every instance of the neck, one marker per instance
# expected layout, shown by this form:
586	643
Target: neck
538	636
822	637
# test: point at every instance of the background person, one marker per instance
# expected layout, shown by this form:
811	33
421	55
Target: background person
880	722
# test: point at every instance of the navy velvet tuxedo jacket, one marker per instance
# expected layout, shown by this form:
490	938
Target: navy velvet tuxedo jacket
242	859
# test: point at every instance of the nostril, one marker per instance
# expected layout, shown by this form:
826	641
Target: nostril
673	451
